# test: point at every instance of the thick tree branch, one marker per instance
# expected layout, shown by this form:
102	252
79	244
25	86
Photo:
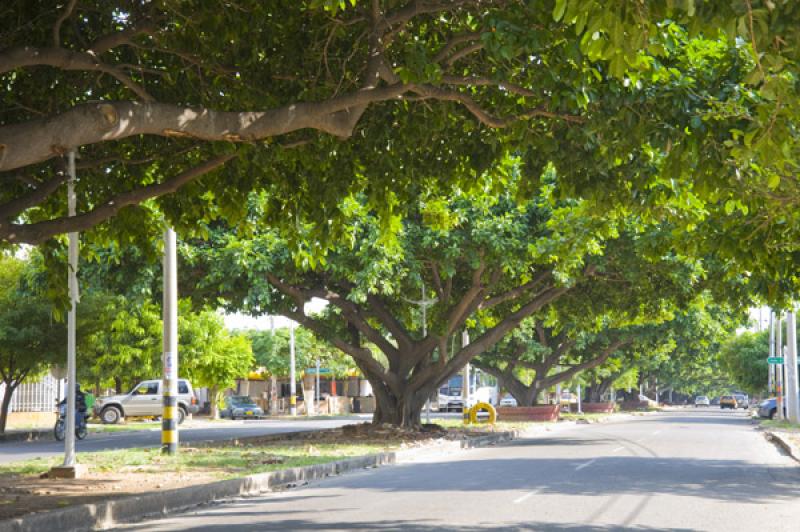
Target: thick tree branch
34	197
38	232
478	81
38	140
113	40
64	59
453	43
587	365
61	18
514	293
438	93
378	309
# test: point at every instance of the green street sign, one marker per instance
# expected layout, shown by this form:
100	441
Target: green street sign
775	360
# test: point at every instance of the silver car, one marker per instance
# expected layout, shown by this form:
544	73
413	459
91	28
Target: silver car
145	400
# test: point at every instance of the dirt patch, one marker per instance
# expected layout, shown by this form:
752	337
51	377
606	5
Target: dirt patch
22	494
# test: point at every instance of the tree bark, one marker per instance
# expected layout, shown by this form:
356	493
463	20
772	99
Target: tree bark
6	404
214	407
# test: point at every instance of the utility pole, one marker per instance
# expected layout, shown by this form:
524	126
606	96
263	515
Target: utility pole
779	368
423	303
169	385
316	409
70	467
292	378
771	377
465	381
792	408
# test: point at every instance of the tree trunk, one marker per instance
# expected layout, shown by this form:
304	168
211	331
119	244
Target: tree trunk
6	404
118	385
212	392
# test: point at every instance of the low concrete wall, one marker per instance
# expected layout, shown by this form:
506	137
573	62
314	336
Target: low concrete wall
597	408
528	413
634	405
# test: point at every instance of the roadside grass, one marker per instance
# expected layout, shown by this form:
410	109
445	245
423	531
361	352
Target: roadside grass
781	425
220	461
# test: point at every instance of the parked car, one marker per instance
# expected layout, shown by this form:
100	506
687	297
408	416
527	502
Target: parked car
715	401
742	401
508	400
728	401
701	400
145	400
769	407
242	407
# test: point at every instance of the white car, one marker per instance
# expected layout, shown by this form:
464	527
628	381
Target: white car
508	400
701	400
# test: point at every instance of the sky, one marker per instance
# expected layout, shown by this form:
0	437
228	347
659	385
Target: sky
242	321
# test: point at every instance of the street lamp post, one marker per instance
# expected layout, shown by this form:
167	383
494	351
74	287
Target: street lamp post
169	385
792	408
779	368
771	377
292	377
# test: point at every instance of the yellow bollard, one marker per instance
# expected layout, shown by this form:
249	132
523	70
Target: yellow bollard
473	413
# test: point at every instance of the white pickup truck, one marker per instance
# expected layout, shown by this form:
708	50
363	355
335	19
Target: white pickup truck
145	399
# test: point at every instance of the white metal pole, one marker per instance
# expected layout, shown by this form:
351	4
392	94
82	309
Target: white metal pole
317	390
425	335
169	384
69	430
465	381
792	406
580	409
779	368
771	377
292	377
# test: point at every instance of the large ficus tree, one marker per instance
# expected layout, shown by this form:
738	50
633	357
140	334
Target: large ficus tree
482	258
162	95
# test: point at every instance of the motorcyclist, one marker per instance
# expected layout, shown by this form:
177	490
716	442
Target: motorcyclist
80	404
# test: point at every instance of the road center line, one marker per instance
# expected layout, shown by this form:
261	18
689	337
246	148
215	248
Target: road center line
618	449
586	464
526	496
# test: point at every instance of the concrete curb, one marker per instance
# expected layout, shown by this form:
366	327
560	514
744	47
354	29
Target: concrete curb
30	435
107	514
784	443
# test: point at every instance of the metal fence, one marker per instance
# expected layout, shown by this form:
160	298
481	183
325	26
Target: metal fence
38	396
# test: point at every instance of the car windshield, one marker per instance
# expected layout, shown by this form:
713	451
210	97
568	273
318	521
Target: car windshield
241	400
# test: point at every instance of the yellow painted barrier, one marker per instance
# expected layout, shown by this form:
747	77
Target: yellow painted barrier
473	413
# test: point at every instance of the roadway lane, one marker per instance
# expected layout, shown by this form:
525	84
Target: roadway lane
678	471
16	451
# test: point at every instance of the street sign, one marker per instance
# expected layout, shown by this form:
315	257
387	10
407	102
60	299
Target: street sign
775	360
322	371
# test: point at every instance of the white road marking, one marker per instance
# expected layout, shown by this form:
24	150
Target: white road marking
657	432
526	496
618	449
586	464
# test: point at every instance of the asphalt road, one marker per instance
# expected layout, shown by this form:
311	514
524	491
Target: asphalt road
16	451
678	471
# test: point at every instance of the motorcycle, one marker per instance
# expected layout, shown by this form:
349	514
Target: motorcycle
81	430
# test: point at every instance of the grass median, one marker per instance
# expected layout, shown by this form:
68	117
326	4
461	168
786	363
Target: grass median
25	487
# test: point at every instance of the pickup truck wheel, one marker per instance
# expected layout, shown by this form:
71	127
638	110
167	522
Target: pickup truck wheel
772	413
111	415
181	414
